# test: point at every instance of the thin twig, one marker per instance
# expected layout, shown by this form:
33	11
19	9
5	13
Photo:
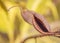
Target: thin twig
35	36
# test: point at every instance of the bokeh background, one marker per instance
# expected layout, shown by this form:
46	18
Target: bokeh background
13	28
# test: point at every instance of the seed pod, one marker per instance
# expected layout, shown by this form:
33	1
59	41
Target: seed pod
27	16
38	21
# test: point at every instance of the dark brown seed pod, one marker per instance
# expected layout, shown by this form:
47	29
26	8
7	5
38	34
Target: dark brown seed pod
40	24
38	21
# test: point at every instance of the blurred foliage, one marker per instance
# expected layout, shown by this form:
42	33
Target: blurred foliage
16	29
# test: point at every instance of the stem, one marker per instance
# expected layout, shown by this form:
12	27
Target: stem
56	35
